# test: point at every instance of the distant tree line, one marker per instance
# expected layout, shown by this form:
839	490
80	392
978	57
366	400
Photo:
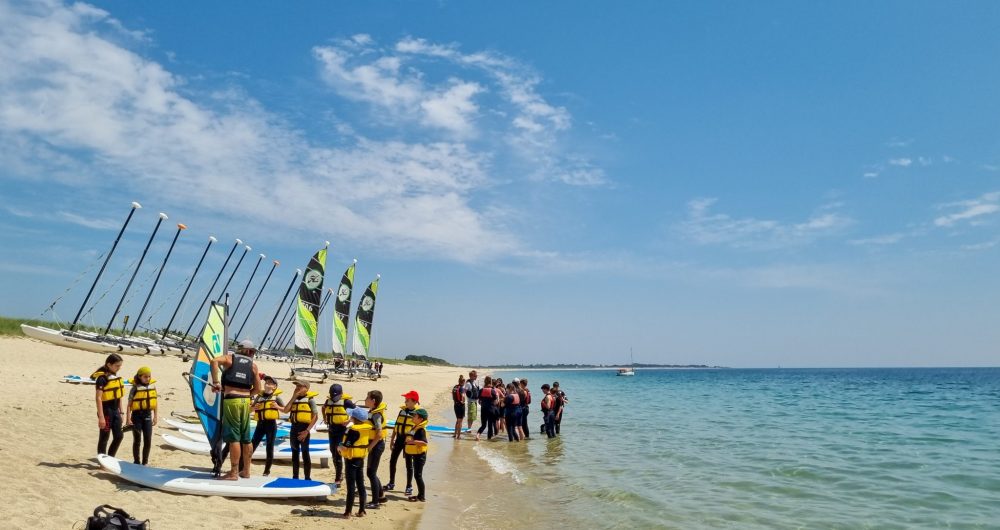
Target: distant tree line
427	359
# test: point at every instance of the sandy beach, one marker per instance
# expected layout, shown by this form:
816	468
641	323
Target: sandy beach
50	441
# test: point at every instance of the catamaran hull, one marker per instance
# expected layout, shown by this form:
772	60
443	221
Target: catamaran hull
74	341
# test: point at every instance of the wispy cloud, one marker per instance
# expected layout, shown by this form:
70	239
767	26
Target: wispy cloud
899	142
887	239
970	211
97	224
708	228
901	162
78	107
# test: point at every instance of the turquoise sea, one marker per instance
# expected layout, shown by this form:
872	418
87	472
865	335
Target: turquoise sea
732	448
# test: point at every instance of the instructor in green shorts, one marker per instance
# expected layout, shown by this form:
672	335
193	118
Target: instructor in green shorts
240	381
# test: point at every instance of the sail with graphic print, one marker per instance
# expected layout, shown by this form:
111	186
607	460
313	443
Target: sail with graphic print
363	320
307	304
342	311
208	403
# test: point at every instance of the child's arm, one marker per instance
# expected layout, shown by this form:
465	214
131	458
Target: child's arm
100	409
315	414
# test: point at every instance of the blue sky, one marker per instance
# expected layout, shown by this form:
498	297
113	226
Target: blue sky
724	183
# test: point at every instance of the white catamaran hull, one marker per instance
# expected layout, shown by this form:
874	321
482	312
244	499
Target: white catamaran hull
79	342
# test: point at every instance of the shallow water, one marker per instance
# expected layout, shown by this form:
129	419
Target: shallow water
835	448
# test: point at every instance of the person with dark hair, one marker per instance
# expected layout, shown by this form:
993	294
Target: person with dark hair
336	416
267	408
416	450
487	399
110	389
354	449
548	412
512	413
303	414
376	445
472	390
458	397
560	404
525	408
240	381
142	413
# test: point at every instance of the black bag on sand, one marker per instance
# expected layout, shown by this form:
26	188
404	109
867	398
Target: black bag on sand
107	517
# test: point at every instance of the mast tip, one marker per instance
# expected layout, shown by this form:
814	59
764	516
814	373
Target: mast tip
163	216
249	248
378	276
276	263
239	241
326	244
212	239
181	226
136	205
355	260
298	271
262	256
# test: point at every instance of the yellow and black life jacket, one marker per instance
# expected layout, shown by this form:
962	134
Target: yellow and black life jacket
145	396
404	421
301	411
113	389
334	412
266	406
416	449
359	448
380	410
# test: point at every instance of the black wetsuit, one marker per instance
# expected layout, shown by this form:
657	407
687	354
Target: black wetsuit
113	419
418	464
354	470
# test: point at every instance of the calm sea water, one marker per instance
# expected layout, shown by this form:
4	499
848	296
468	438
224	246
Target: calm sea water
832	448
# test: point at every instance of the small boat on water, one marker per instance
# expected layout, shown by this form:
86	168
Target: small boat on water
630	371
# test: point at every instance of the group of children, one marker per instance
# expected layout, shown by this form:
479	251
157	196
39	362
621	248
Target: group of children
505	407
356	432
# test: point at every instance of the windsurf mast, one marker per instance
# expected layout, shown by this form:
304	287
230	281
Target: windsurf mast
166	329
197	310
310	291
135	206
280	305
138	266
180	227
254	304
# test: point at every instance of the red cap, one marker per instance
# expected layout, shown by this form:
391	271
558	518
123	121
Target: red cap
412	394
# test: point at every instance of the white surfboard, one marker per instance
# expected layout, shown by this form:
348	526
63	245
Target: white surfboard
281	452
188	427
203	483
200	437
78	380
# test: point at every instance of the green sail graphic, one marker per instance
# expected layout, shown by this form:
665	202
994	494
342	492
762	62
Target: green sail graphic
307	305
363	320
342	311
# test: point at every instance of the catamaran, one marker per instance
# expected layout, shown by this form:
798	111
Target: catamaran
630	370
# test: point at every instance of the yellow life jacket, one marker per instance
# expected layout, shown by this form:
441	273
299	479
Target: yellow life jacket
334	412
416	449
266	407
359	449
144	397
301	411
113	389
404	421
380	410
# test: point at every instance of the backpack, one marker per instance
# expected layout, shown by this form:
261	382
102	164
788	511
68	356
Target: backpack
107	517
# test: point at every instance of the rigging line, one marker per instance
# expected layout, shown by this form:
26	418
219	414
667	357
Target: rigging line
72	285
110	287
164	302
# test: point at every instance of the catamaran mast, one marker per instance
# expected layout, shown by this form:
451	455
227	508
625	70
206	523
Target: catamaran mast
247	286
238	263
283	324
136	271
280	304
180	227
211	239
135	206
254	304
197	310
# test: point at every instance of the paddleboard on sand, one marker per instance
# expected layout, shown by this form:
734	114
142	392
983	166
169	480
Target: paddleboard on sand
436	429
281	452
203	483
182	426
200	437
77	380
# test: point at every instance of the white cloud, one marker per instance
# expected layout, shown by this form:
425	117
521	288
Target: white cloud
970	211
707	228
870	174
114	120
97	224
901	162
887	239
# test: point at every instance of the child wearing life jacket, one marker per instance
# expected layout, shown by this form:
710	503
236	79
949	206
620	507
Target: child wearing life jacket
512	413
404	420
335	414
487	398
458	397
416	450
354	449
525	407
266	408
110	389
303	414
376	445
142	413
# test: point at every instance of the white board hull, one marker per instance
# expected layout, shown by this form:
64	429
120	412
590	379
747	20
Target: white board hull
203	483
281	451
78	341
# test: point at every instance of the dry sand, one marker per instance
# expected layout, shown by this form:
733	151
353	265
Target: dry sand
49	442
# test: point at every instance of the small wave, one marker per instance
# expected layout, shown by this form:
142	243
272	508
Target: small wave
500	463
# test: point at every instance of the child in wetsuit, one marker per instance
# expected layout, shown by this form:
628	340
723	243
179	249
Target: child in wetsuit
142	413
354	449
303	415
110	389
266	407
416	450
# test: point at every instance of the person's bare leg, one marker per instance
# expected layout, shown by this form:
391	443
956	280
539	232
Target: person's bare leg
234	462
247	453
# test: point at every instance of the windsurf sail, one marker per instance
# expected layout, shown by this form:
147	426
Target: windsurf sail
307	306
363	320
342	311
208	403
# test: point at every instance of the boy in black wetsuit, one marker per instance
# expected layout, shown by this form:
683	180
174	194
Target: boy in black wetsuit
267	408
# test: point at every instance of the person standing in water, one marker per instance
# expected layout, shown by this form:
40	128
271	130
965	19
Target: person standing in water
240	381
472	391
110	389
335	414
416	450
303	414
267	409
525	408
142	413
487	398
458	396
512	413
548	412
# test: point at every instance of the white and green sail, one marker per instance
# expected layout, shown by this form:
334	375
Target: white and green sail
363	320
342	311
307	305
